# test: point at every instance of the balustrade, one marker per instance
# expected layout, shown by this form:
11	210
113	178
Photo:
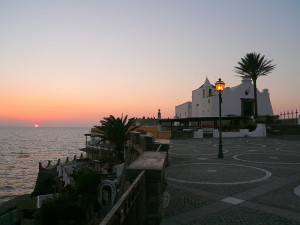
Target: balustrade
129	210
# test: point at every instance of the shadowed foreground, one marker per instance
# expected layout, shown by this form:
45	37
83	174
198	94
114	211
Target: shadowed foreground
257	182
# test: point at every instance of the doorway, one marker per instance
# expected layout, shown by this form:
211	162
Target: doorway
247	107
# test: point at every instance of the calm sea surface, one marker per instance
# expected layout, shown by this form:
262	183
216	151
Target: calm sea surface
21	150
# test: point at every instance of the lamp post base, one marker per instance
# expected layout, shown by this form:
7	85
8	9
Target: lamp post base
220	154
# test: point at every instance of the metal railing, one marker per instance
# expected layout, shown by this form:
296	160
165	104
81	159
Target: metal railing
129	210
288	114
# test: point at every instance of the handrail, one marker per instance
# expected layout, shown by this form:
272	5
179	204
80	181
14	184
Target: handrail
122	209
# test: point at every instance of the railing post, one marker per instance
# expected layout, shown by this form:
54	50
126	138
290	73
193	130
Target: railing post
154	164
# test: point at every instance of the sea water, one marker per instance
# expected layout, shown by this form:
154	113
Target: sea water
21	150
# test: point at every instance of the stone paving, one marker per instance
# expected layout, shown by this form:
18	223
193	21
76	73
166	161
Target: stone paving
257	182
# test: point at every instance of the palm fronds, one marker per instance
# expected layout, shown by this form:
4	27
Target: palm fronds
253	65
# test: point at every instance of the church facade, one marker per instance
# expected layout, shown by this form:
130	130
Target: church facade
236	101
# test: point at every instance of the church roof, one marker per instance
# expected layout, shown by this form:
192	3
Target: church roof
206	83
246	82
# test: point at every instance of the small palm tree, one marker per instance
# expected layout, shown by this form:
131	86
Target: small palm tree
253	65
116	131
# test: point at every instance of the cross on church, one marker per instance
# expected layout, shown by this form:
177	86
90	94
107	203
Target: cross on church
288	114
296	113
284	115
292	114
280	115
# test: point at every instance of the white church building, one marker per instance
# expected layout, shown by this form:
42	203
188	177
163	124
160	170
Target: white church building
236	101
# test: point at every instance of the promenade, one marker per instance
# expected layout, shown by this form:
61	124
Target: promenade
257	182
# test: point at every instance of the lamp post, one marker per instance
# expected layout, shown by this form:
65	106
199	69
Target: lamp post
220	87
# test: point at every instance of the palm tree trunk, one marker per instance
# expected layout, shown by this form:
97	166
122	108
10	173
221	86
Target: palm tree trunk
255	99
119	153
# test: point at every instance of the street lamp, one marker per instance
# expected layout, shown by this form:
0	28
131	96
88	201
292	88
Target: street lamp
220	87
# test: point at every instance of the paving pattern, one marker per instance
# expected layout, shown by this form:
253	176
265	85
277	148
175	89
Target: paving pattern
257	182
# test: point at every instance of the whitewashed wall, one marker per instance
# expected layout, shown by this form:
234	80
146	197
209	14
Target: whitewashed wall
205	105
202	100
232	103
260	131
184	110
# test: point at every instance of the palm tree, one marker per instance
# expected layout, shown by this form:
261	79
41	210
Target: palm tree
117	131
253	65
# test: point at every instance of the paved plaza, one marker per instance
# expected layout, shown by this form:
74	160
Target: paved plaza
257	182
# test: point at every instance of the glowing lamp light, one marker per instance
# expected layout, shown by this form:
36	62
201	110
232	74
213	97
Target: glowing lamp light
220	85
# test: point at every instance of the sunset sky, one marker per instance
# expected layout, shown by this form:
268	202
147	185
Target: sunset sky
72	62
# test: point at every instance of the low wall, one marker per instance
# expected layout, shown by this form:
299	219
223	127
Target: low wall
241	133
10	218
260	131
198	133
288	121
156	131
164	134
154	165
182	134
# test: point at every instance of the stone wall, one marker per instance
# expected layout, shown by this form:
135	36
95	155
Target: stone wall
154	164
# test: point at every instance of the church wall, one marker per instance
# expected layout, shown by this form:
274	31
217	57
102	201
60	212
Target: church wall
232	100
184	110
205	103
202	101
196	106
215	106
264	104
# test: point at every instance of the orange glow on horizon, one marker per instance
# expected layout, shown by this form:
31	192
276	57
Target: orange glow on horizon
20	107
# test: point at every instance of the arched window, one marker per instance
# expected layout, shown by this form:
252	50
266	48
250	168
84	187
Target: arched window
209	92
